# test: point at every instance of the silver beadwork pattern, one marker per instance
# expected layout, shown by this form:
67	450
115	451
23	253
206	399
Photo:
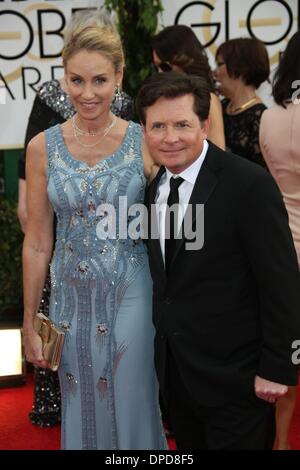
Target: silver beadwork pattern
101	292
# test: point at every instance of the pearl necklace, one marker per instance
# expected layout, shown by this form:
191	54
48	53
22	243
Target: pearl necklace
243	106
104	132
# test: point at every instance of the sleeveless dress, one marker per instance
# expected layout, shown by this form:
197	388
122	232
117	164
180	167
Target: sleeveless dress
53	106
242	132
101	295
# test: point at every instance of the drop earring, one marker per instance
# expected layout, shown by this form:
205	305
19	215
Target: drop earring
118	94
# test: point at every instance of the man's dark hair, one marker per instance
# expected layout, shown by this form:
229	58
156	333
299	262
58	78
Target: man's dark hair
173	85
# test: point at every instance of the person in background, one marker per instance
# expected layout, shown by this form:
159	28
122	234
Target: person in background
280	146
178	48
51	106
242	66
226	285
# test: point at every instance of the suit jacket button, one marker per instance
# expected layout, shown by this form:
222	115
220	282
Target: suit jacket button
168	300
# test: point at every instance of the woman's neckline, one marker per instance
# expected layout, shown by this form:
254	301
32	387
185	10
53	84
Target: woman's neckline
243	111
100	161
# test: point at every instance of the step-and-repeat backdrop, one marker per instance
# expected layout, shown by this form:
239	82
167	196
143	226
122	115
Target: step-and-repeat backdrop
31	40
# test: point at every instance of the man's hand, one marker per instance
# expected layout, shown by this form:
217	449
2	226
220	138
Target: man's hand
269	391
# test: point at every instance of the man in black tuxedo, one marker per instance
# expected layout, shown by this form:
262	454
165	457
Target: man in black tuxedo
225	307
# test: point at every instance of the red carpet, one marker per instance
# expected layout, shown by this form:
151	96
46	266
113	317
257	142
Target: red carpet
17	433
295	428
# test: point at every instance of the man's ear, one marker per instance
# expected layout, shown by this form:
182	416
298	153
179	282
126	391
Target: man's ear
205	126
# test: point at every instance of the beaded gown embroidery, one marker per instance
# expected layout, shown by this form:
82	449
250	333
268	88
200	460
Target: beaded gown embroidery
101	294
52	106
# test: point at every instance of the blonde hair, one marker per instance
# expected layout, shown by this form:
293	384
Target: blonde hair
97	37
83	18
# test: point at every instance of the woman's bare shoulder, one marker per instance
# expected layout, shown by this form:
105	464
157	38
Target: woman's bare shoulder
215	101
150	166
37	141
36	153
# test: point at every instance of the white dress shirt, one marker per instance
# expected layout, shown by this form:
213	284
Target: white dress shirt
185	190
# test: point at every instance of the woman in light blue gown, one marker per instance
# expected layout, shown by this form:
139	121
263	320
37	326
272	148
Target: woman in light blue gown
101	290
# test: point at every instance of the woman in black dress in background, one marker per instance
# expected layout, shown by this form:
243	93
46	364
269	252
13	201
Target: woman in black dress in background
52	106
242	66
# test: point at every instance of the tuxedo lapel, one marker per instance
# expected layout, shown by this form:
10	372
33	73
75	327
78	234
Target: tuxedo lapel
204	186
152	188
153	223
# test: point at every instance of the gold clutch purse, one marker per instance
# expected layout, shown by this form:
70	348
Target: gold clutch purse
52	339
